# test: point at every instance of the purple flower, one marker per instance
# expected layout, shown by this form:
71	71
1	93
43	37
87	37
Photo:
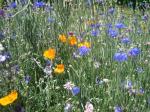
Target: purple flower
2	13
118	109
112	33
39	4
7	55
75	90
120	25
141	91
83	50
27	79
111	10
95	32
134	52
1	35
125	40
13	5
120	57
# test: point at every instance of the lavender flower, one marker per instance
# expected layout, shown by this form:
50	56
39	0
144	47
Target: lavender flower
75	90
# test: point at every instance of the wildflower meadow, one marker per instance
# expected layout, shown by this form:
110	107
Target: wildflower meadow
74	56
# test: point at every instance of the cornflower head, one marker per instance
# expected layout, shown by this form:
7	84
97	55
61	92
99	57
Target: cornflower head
133	52
2	58
125	40
13	5
40	4
120	56
83	50
112	33
27	79
95	32
111	10
120	25
2	13
75	90
118	109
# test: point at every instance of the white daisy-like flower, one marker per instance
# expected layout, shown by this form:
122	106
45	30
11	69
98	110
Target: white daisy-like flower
69	85
1	47
2	58
89	107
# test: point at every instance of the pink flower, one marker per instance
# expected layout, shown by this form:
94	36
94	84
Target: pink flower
68	85
89	107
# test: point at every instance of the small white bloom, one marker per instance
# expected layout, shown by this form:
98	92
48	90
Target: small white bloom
89	107
2	58
48	70
68	107
96	64
106	80
1	47
68	85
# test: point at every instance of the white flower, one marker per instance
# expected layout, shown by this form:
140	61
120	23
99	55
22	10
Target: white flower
68	85
89	107
1	47
106	80
68	107
2	58
48	70
96	64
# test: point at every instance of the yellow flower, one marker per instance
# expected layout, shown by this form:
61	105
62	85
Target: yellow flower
72	40
87	44
10	98
62	38
50	53
59	68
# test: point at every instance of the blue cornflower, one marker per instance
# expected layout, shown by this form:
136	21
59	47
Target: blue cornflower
1	35
112	33
39	4
120	25
83	50
134	52
141	91
125	40
120	57
111	10
50	20
7	55
118	109
13	5
95	32
139	70
27	79
75	90
145	17
95	25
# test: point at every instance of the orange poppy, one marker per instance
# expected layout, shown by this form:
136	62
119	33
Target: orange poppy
72	40
50	53
62	38
59	68
10	98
